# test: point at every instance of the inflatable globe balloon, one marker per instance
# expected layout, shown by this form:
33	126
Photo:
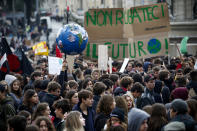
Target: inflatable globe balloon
72	39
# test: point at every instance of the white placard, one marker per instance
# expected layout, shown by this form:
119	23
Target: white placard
102	57
126	60
55	65
195	66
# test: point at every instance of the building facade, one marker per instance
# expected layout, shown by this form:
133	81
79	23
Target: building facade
181	14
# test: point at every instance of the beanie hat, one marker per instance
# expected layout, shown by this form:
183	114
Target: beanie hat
181	93
175	126
179	106
119	113
9	79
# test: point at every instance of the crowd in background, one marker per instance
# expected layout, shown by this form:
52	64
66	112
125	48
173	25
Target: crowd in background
155	94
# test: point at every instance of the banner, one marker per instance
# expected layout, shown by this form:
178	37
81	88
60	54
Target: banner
41	49
134	48
118	23
134	33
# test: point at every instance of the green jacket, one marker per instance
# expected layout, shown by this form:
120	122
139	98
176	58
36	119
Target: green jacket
6	111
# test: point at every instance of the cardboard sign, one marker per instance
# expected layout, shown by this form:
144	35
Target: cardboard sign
119	23
134	33
70	60
55	65
102	57
140	47
148	46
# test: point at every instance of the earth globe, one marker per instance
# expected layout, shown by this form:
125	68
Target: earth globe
72	39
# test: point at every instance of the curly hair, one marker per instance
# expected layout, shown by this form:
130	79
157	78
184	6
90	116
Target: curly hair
48	122
104	104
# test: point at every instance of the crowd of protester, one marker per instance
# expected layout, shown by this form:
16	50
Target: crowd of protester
156	94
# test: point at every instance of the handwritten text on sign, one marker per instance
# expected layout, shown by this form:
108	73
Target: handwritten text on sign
119	23
126	49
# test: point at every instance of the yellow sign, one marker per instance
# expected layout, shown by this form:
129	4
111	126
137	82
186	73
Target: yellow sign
41	49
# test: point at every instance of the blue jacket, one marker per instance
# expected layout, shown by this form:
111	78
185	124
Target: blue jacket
89	119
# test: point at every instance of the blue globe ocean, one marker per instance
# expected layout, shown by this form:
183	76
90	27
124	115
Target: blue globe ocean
72	39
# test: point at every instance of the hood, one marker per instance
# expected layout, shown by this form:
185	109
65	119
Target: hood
135	119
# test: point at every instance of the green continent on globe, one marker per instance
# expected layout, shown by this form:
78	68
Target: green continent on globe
80	39
154	46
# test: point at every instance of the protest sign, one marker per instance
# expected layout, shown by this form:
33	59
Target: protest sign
70	60
133	33
139	47
55	65
118	23
41	49
102	57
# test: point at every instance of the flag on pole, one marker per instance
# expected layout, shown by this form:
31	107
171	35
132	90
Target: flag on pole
3	60
9	61
13	61
183	47
26	66
41	49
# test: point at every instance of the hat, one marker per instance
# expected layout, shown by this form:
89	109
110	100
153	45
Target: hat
9	79
181	93
175	126
119	113
180	106
148	78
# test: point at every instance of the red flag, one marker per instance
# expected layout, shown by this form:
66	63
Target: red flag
58	53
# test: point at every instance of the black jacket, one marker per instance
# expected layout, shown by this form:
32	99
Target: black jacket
6	111
100	121
95	103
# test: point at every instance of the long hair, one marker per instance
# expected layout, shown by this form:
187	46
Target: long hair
158	117
121	103
104	105
39	110
27	96
48	122
192	104
69	95
19	91
73	122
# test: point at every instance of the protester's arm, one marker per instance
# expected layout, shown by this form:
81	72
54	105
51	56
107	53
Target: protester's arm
62	76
